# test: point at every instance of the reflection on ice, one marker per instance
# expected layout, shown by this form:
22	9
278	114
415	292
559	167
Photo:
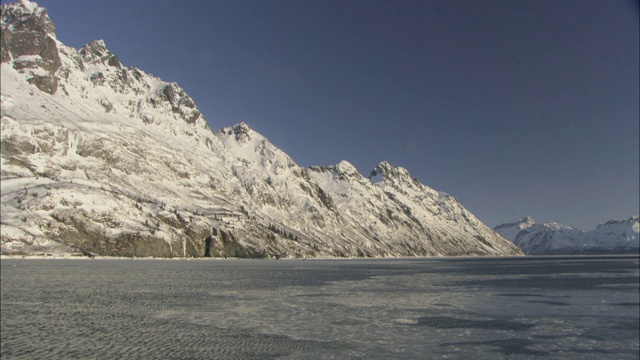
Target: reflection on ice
448	322
511	346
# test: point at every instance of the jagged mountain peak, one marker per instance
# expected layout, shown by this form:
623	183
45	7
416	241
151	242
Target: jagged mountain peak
25	5
250	145
383	168
347	169
29	42
389	171
27	16
251	150
557	226
633	221
241	132
343	171
97	52
98	45
91	73
241	127
524	223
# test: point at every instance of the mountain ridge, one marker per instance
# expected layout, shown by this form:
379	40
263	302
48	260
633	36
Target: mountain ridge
611	237
99	158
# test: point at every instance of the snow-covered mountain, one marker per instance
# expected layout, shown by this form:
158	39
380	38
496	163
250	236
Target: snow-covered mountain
535	238
105	159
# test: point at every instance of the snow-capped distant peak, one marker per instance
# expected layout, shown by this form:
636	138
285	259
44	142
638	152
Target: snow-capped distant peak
521	224
632	221
554	238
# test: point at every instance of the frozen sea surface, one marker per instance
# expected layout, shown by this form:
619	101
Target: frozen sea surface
480	308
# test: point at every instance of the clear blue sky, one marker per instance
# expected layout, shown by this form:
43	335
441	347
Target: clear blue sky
514	107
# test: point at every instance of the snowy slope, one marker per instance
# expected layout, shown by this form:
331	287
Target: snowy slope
615	235
102	158
552	238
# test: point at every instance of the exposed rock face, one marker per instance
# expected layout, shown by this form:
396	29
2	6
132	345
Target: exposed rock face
96	52
180	102
612	237
28	38
120	163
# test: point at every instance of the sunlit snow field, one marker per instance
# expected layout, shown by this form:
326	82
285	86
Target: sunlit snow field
480	308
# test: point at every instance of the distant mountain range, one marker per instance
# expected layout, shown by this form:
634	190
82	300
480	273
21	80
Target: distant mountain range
99	158
612	237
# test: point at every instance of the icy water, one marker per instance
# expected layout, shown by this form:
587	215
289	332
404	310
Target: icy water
511	308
